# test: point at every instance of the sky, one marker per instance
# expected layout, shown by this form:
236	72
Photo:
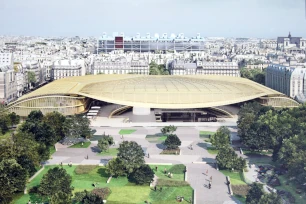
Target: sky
211	18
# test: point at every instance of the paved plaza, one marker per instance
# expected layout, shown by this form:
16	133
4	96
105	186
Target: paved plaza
198	160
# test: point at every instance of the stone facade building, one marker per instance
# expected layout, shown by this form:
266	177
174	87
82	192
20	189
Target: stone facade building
181	67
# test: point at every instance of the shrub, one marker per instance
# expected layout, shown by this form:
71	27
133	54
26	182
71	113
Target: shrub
101	192
142	175
178	169
172	142
171	183
84	169
34	189
241	190
171	151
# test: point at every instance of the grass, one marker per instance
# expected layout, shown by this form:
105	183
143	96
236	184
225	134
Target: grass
156	138
240	198
122	190
160	172
212	150
205	134
126	194
126	131
254	153
110	152
79	145
168	195
6	135
52	150
84	169
299	198
236	177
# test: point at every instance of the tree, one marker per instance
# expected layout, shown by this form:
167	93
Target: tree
103	145
31	77
156	69
221	138
115	167
270	198
131	154
254	194
14	119
60	198
42	132
56	181
172	142
142	175
77	126
86	197
168	129
228	159
56	121
12	179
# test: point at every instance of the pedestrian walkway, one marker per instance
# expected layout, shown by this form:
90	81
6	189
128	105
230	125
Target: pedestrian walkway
194	158
199	180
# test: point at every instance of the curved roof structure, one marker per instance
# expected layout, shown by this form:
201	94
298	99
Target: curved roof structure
158	91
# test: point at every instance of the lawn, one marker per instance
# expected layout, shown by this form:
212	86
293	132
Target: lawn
79	145
205	134
110	152
176	170
169	194
236	177
6	135
212	150
122	190
126	131
240	198
299	198
52	150
156	138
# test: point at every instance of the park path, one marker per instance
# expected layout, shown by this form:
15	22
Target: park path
195	159
198	179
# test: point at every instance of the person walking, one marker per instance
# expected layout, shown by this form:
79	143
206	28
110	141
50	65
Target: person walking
156	168
148	155
209	185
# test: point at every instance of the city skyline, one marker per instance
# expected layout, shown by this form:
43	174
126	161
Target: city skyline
231	18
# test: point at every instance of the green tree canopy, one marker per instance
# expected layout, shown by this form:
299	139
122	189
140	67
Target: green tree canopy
270	198
103	145
131	155
256	75
156	69
221	138
168	129
142	175
115	167
12	179
254	194
56	182
56	121
77	126
228	159
172	142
